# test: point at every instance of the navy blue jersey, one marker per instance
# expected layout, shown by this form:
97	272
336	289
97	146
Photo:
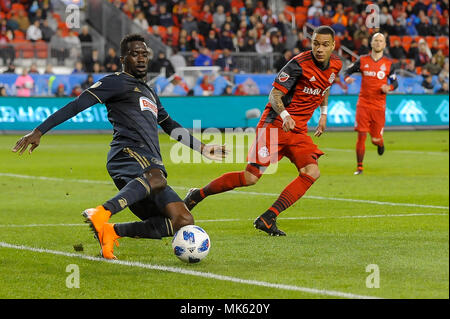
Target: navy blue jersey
134	110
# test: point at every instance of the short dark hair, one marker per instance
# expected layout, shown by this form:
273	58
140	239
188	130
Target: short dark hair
127	39
324	29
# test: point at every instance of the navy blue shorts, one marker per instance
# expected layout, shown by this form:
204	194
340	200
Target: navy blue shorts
132	162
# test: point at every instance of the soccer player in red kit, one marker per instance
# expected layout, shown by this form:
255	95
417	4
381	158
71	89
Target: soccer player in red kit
298	90
376	70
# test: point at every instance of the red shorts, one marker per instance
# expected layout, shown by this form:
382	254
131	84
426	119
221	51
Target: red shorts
272	144
370	120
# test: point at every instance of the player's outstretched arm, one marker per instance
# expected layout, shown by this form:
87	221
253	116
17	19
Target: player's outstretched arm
182	135
84	101
275	99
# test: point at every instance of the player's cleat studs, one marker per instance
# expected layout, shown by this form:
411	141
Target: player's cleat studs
380	150
269	227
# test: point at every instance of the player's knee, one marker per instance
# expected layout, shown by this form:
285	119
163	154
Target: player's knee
250	179
156	179
311	170
182	219
376	140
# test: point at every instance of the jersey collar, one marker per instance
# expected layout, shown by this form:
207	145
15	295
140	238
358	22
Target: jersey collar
139	80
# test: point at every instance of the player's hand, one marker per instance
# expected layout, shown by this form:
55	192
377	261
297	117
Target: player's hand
385	88
288	123
214	152
349	80
322	125
33	138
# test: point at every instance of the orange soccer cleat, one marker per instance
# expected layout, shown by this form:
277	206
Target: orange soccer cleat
109	238
96	218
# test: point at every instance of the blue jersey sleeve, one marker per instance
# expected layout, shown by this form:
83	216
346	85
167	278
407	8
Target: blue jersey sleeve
71	109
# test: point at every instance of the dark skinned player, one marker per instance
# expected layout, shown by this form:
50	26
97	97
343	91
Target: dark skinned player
134	161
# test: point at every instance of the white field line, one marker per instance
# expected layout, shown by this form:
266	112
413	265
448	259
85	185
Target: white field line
183	271
346	150
393	151
246	219
56	179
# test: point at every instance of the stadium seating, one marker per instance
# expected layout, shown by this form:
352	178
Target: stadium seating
27	50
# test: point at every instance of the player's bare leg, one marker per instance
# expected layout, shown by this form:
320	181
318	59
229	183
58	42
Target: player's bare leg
179	215
226	182
291	194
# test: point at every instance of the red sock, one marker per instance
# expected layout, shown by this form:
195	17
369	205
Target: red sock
292	193
224	183
360	148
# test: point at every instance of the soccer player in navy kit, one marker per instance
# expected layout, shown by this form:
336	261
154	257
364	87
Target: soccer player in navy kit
134	161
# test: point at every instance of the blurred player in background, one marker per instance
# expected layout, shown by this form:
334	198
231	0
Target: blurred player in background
376	70
134	160
300	87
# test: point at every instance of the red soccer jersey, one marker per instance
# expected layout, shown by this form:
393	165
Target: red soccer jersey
374	75
304	82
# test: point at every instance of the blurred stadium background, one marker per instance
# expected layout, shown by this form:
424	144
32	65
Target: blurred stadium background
57	48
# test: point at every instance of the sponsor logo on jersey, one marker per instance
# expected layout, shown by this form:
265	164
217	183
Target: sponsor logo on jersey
148	105
370	73
326	90
283	77
311	91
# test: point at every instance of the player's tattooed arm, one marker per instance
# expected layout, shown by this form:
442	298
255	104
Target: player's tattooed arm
276	101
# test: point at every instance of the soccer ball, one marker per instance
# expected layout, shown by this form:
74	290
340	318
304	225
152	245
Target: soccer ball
191	244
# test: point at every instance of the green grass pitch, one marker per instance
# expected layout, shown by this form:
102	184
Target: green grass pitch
394	216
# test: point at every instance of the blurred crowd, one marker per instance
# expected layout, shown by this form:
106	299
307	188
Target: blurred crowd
214	32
